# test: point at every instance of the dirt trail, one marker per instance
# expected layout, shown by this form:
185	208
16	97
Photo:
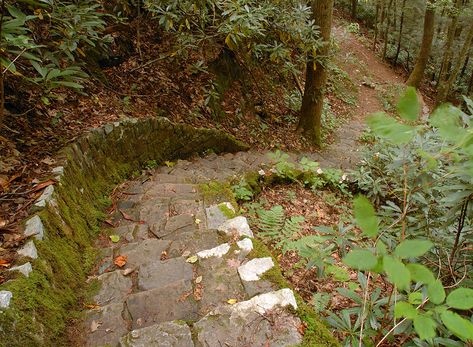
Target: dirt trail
372	76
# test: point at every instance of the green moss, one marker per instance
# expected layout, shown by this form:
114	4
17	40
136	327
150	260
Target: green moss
227	212
316	333
215	192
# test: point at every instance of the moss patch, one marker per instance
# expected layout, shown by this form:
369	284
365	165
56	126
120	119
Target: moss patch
227	212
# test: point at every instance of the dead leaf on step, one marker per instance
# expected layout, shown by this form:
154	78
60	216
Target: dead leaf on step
232	301
43	185
121	260
92	306
192	260
4	263
164	255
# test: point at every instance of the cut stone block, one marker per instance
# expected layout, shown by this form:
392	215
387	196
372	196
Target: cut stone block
143	252
34	227
28	250
168	334
192	242
215	215
238	225
45	197
159	305
255	268
218	251
5	298
106	326
159	274
247	324
114	288
171	190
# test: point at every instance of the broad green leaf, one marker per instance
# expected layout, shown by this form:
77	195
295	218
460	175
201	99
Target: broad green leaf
425	327
397	272
412	248
390	129
361	259
405	310
69	84
459	326
365	216
447	119
461	298
408	105
415	298
114	238
420	273
436	292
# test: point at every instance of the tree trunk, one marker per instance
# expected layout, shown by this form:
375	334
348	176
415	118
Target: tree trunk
310	122
446	62
445	88
465	66
401	27
470	85
417	74
354	4
386	32
2	75
376	26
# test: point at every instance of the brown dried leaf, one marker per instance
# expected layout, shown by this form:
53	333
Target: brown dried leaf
121	260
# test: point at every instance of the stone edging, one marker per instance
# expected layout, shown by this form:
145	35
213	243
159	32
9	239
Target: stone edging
64	221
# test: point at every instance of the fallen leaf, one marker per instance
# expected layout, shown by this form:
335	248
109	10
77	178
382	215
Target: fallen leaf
232	301
43	185
121	260
192	260
126	216
109	222
128	271
198	280
164	255
197	221
92	306
114	238
48	161
4	263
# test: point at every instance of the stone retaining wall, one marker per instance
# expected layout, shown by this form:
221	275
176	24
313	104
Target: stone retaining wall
37	306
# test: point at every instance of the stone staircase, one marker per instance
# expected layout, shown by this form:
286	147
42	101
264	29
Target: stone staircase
186	277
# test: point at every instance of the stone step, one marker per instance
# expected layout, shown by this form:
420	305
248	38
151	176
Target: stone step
167	334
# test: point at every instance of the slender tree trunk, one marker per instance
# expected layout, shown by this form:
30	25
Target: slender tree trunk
465	65
446	62
310	122
401	27
354	5
417	74
379	21
386	32
2	75
445	88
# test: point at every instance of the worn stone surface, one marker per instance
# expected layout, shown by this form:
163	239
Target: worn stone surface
255	268
45	197
34	227
5	298
218	251
161	273
144	252
238	225
106	326
114	288
168	334
28	250
173	302
215	215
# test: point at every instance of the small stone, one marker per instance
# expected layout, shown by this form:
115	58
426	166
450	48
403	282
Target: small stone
34	227
246	245
218	251
28	250
45	198
265	302
58	170
5	298
252	270
25	269
239	225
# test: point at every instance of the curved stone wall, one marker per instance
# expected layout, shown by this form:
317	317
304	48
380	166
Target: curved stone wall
38	305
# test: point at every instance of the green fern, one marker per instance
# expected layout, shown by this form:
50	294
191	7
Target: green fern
276	227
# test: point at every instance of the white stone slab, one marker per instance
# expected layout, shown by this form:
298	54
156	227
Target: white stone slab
245	245
34	227
265	302
239	225
218	251
45	197
25	269
28	250
252	270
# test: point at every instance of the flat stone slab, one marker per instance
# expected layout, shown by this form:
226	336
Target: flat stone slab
24	269
215	215
114	288
246	324
172	334
218	251
238	225
5	298
106	326
28	250
34	227
140	253
162	273
171	190
255	268
192	242
180	223
173	302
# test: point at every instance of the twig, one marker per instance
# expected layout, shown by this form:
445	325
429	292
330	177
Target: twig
365	299
13	61
150	62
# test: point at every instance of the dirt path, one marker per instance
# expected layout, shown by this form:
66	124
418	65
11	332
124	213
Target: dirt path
372	77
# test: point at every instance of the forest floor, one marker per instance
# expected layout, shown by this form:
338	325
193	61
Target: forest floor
146	85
